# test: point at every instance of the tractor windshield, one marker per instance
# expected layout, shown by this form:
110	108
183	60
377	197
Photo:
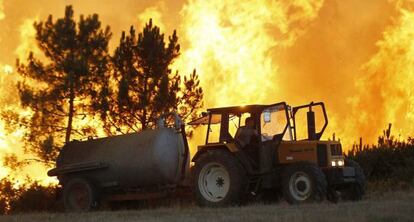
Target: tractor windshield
235	121
275	122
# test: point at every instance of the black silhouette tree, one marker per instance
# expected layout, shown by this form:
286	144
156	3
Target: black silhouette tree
66	83
146	85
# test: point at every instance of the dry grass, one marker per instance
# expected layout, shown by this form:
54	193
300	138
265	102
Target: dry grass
392	206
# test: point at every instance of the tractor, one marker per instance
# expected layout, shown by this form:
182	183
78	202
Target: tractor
269	157
279	158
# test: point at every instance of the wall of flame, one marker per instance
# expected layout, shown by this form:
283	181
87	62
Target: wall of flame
356	56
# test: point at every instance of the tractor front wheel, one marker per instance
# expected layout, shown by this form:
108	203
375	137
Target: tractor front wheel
303	183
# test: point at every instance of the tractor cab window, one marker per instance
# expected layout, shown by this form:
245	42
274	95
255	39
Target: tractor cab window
223	127
273	122
235	121
214	129
301	121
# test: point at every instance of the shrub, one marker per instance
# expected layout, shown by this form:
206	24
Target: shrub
390	161
30	197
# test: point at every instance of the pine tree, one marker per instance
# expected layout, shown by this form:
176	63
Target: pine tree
65	84
146	85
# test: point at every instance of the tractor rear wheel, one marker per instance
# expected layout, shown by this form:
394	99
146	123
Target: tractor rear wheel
79	195
355	191
303	183
218	180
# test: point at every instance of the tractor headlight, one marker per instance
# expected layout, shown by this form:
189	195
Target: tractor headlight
338	163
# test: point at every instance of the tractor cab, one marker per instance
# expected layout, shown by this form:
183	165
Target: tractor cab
223	123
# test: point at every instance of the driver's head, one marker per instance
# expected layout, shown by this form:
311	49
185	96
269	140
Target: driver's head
249	122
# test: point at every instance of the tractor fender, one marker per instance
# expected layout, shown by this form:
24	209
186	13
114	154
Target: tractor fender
206	148
230	148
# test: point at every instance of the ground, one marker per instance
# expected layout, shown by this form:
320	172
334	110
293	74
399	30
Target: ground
391	206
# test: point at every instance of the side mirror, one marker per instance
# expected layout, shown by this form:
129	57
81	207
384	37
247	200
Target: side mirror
267	117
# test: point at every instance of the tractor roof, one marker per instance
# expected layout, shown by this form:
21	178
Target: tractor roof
242	109
236	110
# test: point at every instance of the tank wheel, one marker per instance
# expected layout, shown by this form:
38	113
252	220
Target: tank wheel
355	191
303	183
79	195
218	180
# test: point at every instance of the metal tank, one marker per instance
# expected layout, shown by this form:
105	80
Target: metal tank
151	157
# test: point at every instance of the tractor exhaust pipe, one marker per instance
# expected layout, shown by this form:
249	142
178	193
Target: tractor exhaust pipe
311	124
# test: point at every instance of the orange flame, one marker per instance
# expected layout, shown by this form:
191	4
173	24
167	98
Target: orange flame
229	42
155	13
2	15
27	40
385	94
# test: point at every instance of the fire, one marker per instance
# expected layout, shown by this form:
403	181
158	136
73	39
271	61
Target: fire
27	40
229	42
10	143
389	81
8	69
2	15
356	56
154	13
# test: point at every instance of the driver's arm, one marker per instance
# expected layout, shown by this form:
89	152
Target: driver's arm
238	132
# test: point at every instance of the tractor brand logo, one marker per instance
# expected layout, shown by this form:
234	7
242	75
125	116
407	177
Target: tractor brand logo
301	150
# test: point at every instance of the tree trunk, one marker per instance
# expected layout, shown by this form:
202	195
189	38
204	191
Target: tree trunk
144	121
144	112
71	111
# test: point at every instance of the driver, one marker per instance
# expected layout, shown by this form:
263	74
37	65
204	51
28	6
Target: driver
245	133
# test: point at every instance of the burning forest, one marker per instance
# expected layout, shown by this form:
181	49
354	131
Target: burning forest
90	69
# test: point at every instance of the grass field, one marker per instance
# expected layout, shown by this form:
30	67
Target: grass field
392	206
